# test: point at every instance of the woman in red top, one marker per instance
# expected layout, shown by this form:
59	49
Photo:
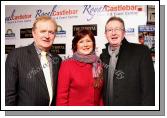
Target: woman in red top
80	77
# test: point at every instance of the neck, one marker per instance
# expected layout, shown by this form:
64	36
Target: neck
41	48
113	48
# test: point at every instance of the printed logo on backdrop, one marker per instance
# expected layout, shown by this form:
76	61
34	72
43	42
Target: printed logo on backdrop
111	10
147	34
65	13
18	18
91	27
60	32
26	33
9	34
9	48
123	10
58	48
130	31
93	10
147	37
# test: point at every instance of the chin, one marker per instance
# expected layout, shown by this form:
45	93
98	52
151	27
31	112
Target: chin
85	53
115	42
47	45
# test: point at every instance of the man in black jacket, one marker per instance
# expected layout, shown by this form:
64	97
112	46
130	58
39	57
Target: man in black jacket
30	76
129	77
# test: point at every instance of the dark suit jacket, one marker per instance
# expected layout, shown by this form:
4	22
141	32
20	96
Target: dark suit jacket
24	79
134	78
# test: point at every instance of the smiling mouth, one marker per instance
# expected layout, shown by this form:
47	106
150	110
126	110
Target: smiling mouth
46	40
86	49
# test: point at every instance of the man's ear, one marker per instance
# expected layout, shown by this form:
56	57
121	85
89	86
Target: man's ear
105	35
33	33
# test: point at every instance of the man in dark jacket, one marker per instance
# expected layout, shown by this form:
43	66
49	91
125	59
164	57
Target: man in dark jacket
31	72
129	77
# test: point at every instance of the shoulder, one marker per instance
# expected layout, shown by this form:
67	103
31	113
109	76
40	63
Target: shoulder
105	53
18	51
67	65
136	50
16	55
69	62
137	47
128	46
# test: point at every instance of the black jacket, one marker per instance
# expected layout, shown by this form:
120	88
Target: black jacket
134	78
24	79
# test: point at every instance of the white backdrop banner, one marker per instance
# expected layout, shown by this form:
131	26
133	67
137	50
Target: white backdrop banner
19	20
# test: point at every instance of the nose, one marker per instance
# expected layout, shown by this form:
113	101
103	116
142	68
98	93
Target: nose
47	34
85	44
113	33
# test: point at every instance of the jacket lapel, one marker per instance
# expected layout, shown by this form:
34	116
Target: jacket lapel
35	61
123	55
54	72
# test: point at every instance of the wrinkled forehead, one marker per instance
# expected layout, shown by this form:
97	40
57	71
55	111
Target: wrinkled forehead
44	23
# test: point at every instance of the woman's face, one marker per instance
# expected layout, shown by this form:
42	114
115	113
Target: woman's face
85	45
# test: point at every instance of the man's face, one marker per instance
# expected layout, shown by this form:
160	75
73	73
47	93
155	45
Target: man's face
44	34
114	33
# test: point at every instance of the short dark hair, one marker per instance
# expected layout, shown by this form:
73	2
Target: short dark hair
81	34
117	19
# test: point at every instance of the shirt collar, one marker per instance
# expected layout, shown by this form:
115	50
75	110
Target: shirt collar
116	51
39	51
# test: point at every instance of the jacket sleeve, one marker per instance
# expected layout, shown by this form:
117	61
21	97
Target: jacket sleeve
147	75
11	79
63	85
